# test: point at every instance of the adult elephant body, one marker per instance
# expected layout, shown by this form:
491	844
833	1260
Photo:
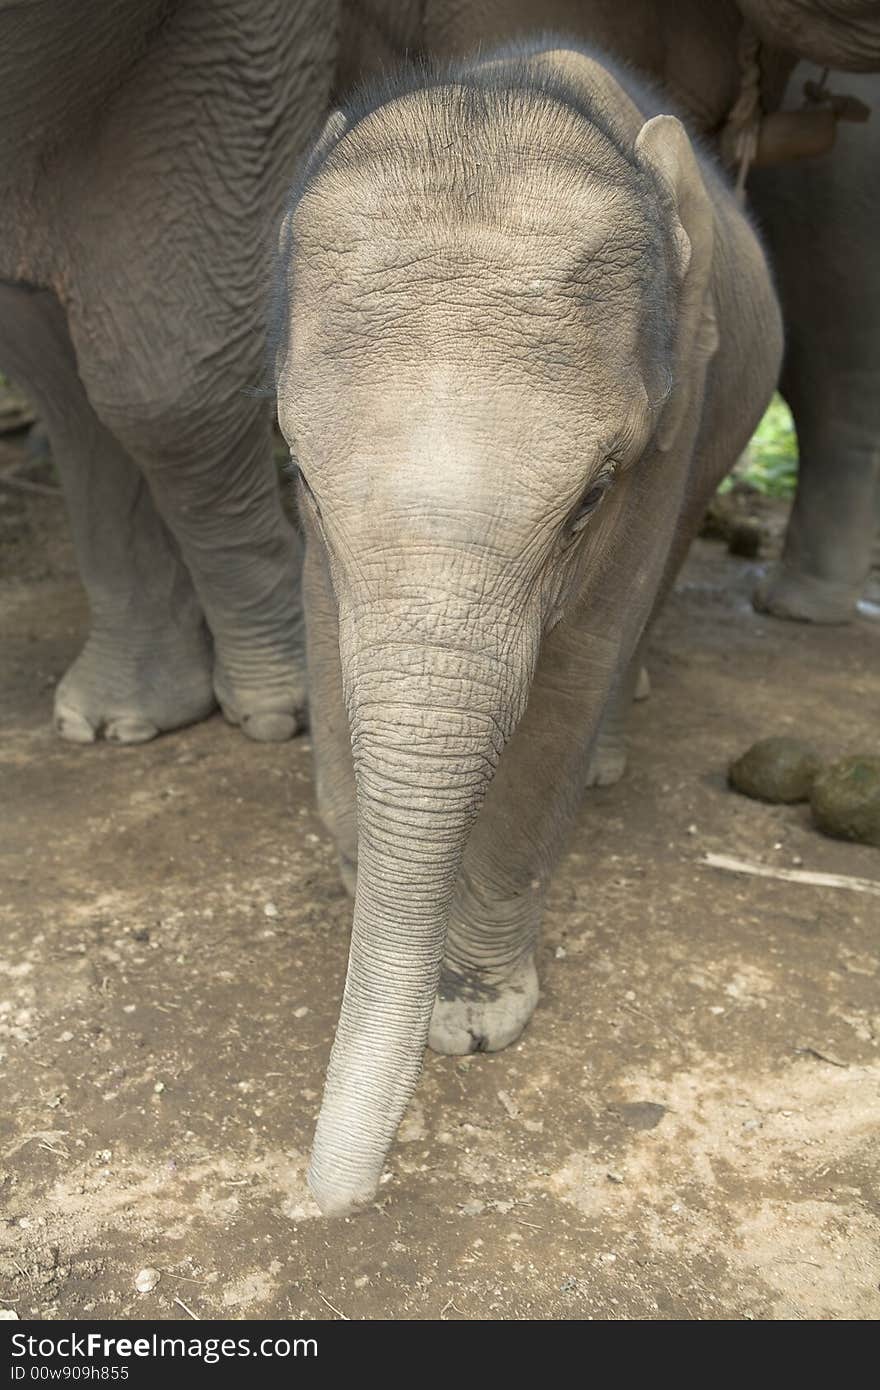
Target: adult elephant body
145	150
703	56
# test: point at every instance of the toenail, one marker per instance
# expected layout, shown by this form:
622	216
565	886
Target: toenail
270	727
130	731
75	728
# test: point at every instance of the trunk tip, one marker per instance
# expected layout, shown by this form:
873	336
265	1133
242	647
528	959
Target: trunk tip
340	1196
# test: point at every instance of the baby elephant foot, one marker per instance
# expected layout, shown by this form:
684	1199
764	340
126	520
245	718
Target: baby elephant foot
608	760
472	1014
787	593
130	685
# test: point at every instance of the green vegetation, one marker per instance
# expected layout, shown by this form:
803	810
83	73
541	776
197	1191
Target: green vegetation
770	461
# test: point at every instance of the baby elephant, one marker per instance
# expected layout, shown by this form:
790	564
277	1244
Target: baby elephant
525	331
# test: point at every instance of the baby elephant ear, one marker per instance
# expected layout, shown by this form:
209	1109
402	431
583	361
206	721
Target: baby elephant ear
663	148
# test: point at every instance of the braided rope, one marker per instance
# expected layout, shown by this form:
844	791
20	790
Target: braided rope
743	123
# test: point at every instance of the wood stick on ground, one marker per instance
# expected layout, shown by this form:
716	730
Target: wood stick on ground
806	876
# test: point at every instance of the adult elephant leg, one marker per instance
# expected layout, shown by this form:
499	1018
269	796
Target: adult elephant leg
833	523
222	503
146	665
820	218
205	448
331	738
171	211
488	984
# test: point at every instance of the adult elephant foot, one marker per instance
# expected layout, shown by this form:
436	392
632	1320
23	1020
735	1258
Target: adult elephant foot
481	1015
787	593
128	686
269	704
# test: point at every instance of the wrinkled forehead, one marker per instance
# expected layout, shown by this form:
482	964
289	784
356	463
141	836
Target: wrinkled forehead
533	269
516	251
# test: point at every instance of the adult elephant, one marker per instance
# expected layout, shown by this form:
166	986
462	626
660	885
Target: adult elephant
710	64
821	217
146	147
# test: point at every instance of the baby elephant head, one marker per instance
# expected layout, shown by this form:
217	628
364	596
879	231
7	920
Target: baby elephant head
496	320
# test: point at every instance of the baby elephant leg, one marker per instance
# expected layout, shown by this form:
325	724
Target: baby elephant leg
146	664
609	756
489	984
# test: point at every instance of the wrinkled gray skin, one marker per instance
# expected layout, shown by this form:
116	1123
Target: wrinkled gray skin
144	148
528	334
821	221
144	152
822	218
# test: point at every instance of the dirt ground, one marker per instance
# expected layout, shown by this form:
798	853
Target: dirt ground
687	1129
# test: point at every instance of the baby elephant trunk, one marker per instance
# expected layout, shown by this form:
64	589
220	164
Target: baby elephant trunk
429	716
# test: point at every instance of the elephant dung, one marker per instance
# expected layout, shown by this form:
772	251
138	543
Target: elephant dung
845	800
775	769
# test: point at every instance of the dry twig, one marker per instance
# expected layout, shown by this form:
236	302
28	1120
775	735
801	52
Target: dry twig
806	876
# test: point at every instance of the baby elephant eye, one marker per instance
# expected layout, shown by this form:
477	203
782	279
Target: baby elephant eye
592	497
589	502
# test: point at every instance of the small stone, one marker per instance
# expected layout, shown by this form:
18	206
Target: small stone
159	1088
778	769
639	1114
845	800
473	1207
9	1315
270	910
147	1279
509	1104
614	1177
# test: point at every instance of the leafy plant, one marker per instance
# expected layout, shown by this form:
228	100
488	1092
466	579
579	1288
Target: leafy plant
770	462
